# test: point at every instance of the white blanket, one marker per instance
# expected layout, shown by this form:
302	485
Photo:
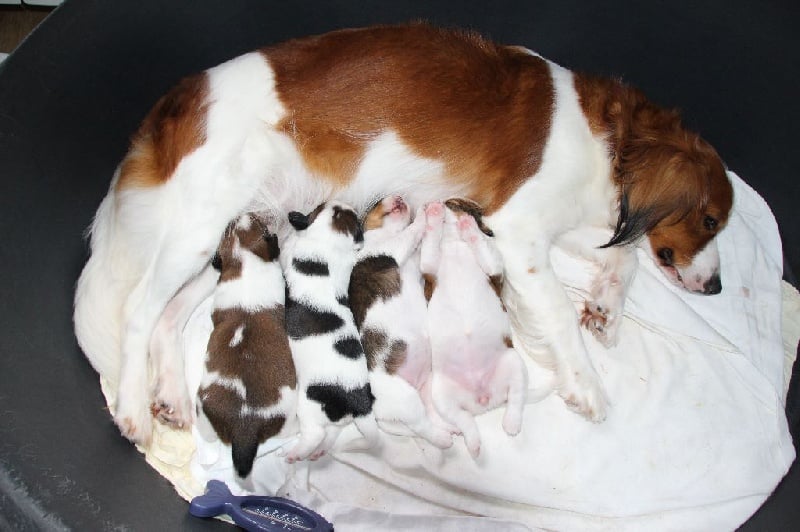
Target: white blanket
695	439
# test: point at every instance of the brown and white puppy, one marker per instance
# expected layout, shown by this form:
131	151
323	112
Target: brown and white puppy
248	392
419	111
475	367
390	311
332	375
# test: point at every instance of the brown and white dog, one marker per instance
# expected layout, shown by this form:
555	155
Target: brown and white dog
249	389
413	110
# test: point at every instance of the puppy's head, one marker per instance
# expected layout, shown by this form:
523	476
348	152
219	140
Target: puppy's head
675	193
463	206
391	214
245	235
333	221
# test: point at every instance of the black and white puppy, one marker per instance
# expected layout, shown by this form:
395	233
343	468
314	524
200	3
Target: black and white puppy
390	310
248	391
332	375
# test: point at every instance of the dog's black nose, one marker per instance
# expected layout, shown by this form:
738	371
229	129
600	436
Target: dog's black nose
713	285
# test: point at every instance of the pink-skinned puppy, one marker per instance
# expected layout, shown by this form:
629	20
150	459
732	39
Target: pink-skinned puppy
389	306
474	366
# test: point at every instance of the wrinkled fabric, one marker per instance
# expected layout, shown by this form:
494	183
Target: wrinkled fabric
696	437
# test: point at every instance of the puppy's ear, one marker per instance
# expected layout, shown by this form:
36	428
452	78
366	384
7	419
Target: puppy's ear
216	262
273	249
298	220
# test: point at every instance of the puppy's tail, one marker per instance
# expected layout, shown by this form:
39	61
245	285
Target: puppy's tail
243	449
370	436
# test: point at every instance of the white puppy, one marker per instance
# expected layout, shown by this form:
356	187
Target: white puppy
390	311
332	375
475	368
248	392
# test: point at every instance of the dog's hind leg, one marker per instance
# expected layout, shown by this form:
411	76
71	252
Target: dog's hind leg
178	259
171	398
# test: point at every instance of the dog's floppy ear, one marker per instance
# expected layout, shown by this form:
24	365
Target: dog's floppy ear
298	220
658	175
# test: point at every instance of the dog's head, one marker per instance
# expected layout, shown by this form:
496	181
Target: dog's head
675	193
333	221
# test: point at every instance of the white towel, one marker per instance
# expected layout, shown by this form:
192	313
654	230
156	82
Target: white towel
695	439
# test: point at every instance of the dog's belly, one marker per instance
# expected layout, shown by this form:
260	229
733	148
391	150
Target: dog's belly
389	167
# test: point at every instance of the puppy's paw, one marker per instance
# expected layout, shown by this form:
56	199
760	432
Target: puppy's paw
468	229
434	214
474	448
583	393
512	422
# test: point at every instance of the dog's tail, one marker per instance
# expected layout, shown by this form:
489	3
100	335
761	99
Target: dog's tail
102	290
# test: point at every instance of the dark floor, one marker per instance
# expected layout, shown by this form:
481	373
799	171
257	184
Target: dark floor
16	23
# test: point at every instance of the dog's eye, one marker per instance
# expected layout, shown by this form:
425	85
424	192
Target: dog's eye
666	255
710	223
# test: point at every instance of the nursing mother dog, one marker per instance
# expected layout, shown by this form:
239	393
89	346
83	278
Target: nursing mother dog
410	110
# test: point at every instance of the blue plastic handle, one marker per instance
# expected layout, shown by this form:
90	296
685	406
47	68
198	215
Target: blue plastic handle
257	512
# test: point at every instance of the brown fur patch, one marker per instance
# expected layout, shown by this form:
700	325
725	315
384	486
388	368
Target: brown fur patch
508	342
379	350
262	359
374	342
346	221
488	107
429	286
374	218
172	129
255	239
469	207
669	179
397	356
372	279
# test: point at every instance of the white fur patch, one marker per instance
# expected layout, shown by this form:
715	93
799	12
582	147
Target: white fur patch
238	335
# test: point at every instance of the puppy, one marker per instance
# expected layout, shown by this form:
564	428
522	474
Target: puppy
389	307
332	375
248	392
475	367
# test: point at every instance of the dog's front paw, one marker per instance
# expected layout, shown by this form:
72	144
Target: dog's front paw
583	393
602	322
602	313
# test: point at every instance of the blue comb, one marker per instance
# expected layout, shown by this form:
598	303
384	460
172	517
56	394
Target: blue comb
257	512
